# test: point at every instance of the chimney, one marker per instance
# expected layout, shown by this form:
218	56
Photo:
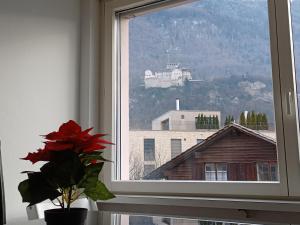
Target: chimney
177	104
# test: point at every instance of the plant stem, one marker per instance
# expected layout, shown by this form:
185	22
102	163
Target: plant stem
63	198
60	203
69	198
55	204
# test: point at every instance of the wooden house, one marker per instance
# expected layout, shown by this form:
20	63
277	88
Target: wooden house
234	153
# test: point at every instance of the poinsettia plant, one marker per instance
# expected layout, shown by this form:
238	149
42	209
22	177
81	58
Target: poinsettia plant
73	162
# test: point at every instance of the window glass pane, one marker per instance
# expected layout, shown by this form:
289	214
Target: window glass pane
263	171
210	167
175	147
198	70
274	172
210	172
221	172
149	149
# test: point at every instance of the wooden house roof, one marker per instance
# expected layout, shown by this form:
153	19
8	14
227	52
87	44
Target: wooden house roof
158	173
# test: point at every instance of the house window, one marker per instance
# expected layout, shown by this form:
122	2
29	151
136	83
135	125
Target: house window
149	149
267	171
176	147
148	169
216	172
210	172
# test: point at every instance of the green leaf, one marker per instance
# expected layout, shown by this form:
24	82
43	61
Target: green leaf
94	169
37	189
96	190
91	170
65	171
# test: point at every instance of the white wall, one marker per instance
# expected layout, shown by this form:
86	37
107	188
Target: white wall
39	76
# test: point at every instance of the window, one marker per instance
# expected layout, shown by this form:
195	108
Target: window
267	171
210	172
175	147
173	57
215	171
149	149
165	125
239	94
221	60
221	171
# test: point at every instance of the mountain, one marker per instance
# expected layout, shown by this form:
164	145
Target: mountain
226	43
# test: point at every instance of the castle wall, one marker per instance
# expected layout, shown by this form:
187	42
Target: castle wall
173	78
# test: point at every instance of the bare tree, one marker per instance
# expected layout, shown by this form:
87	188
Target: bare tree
136	166
160	158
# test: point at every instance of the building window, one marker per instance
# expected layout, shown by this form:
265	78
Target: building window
165	125
267	171
149	149
216	171
176	147
148	169
182	117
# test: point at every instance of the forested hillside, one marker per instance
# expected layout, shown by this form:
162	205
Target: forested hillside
225	43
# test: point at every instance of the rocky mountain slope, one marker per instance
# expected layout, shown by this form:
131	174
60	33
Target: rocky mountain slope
223	42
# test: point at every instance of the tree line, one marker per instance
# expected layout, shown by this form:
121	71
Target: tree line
252	120
255	121
207	122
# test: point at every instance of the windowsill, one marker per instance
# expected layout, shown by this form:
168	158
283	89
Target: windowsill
205	202
252	211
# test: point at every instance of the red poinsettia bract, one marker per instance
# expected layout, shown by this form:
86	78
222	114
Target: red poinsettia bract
71	137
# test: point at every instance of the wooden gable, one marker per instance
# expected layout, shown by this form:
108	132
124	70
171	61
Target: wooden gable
240	148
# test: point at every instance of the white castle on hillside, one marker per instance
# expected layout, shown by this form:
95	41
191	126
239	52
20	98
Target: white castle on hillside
174	76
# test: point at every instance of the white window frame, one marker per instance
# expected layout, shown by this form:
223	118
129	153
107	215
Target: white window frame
285	111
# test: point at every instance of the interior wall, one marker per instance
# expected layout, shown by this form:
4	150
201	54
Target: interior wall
39	82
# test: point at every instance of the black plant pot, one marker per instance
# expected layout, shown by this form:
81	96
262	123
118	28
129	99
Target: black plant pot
74	216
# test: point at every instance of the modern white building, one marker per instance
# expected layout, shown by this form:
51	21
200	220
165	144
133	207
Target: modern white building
150	149
183	120
172	133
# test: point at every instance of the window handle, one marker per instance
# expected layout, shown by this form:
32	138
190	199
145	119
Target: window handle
289	101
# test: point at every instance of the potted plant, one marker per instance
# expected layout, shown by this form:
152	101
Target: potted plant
73	162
